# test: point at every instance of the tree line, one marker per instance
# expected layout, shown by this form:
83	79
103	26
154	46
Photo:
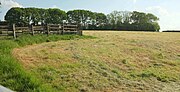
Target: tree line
117	20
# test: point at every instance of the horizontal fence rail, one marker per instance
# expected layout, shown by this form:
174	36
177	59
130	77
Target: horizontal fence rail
15	31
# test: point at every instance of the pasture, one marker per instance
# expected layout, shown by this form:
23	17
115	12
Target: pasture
109	62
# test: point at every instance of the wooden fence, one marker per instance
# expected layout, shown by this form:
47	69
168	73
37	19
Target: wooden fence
5	29
15	31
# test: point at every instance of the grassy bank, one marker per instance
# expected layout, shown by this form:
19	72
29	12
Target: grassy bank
12	73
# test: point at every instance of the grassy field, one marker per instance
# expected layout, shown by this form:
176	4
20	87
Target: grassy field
111	62
12	73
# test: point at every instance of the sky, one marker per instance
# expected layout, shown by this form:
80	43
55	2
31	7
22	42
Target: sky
167	10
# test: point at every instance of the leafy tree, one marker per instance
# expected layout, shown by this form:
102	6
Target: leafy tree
43	15
113	18
56	16
35	15
98	21
101	18
15	15
26	16
124	20
145	21
83	17
138	17
151	18
117	20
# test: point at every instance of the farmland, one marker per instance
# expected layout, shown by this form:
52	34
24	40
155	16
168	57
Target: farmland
109	61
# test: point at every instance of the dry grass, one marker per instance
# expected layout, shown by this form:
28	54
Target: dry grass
114	61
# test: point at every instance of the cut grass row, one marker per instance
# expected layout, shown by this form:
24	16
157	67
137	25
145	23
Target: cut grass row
12	74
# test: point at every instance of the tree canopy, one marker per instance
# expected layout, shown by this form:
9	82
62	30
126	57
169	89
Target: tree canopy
137	21
35	16
116	20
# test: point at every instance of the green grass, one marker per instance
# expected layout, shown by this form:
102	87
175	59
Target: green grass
29	40
12	73
127	61
113	61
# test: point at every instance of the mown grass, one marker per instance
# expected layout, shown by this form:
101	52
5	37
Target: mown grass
114	61
12	73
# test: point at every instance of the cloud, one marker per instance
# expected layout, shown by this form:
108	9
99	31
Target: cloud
169	20
6	5
9	4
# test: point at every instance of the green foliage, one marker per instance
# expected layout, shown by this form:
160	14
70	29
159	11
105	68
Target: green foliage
117	20
145	21
13	75
15	15
82	17
56	16
26	16
137	21
98	21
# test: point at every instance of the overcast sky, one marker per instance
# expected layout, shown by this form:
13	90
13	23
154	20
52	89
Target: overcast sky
167	10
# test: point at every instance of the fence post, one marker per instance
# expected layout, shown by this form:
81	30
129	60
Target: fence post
14	31
32	29
59	29
62	29
79	31
47	29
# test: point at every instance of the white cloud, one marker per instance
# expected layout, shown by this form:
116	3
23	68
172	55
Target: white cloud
168	20
6	5
9	4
